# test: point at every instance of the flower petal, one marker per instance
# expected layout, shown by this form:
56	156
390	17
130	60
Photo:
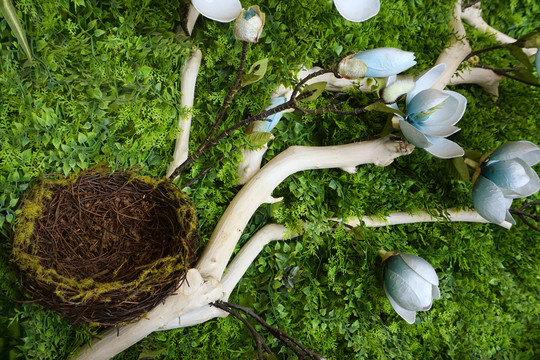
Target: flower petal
410	290
525	150
424	102
421	267
537	62
439	130
274	119
426	81
415	136
357	11
506	174
384	62
489	200
444	148
407	315
435	293
450	112
218	10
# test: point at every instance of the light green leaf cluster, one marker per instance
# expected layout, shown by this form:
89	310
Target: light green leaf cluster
104	87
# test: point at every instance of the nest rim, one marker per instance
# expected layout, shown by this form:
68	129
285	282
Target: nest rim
90	299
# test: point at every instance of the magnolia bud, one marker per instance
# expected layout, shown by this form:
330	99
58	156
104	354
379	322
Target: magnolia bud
398	88
351	68
411	284
249	24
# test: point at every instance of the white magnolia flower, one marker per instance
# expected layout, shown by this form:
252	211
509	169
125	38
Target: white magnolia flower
411	284
431	115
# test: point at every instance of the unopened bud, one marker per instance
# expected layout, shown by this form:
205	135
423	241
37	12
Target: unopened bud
398	88
351	68
249	24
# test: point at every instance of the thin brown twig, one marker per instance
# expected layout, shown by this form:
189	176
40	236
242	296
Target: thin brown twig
505	73
300	350
259	341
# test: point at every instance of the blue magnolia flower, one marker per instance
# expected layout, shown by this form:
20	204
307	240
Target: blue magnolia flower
271	121
357	10
431	115
411	284
506	175
381	62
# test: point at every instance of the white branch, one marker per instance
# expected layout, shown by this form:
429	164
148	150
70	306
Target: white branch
483	77
188	81
192	16
236	269
453	55
193	294
451	215
473	16
217	253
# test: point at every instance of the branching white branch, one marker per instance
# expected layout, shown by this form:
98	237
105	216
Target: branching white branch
188	81
451	215
217	253
454	54
483	77
473	17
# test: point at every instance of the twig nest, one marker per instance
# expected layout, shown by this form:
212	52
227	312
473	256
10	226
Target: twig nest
104	248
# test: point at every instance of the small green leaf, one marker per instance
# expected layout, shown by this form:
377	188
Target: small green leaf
255	73
99	33
316	90
26	155
258	139
462	170
518	53
10	14
383	108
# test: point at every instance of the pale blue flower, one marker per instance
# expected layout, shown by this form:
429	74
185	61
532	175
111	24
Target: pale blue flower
506	175
411	284
431	115
384	62
357	10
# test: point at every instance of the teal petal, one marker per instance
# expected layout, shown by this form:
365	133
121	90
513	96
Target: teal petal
506	174
424	103
489	201
415	136
426	81
515	178
444	148
524	150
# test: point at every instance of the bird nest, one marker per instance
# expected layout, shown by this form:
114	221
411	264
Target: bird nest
104	248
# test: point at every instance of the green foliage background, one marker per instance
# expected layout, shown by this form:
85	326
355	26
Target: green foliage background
104	87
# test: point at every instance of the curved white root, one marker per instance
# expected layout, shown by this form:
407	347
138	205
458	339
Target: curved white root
483	77
473	16
451	215
188	80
